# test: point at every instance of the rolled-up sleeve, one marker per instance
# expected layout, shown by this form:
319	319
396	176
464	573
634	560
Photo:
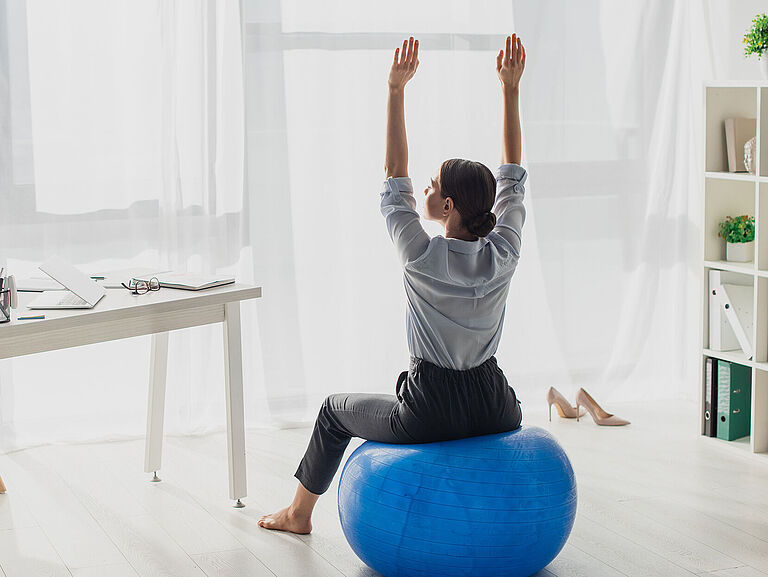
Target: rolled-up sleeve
509	209
399	209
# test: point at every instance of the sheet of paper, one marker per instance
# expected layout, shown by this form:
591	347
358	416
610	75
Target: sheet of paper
114	278
38	285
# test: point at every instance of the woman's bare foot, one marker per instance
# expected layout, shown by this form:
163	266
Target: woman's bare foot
286	520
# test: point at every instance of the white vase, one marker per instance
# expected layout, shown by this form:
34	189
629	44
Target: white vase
764	64
740	251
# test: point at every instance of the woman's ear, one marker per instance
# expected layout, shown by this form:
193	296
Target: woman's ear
447	206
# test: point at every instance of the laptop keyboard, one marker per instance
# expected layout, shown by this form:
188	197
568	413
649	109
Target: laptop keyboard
71	299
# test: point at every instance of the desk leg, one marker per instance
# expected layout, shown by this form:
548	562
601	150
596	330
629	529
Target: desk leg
233	372
158	367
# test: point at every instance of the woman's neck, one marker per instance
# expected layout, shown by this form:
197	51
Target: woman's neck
462	234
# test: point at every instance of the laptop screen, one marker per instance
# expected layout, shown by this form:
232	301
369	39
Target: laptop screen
74	280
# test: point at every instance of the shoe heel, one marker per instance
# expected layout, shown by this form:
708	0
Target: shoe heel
578	410
550	412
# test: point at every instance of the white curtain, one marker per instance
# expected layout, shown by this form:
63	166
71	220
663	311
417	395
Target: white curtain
122	144
205	135
607	292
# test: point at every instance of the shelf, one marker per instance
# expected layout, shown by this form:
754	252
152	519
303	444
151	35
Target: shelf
736	84
761	155
723	198
742	446
737	357
733	176
722	103
732	194
741	267
761	366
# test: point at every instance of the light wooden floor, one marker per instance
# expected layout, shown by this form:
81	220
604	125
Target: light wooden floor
655	499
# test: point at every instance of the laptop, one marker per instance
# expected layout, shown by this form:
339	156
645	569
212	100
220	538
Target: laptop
81	293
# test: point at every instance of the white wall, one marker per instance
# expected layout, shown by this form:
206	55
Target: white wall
729	20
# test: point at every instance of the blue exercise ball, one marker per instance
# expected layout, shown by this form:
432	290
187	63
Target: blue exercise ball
490	506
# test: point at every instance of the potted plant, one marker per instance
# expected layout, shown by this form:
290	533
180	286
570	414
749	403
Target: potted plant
739	235
757	41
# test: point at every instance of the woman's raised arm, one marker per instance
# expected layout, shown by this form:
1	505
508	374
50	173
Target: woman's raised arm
510	64
403	69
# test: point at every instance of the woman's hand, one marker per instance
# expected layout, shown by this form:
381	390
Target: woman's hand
404	65
510	62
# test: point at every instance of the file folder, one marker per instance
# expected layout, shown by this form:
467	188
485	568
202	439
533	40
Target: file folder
734	398
721	335
737	303
710	398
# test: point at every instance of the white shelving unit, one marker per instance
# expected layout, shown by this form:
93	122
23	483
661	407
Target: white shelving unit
733	194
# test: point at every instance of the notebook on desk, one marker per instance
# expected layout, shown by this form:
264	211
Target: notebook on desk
81	293
191	282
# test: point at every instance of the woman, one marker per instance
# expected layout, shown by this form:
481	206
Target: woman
456	286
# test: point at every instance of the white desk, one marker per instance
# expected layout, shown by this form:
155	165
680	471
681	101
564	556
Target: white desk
119	315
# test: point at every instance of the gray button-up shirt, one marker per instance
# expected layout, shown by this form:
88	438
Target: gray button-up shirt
456	289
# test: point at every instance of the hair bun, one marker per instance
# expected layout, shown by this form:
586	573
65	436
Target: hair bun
482	224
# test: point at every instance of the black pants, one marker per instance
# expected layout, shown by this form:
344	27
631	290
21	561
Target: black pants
432	404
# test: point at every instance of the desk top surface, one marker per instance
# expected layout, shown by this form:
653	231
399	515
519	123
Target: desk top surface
119	304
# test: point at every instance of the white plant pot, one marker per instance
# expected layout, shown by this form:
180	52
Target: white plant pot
764	64
740	251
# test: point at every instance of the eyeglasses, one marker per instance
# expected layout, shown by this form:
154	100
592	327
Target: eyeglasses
140	287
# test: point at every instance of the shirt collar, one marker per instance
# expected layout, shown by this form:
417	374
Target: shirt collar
466	246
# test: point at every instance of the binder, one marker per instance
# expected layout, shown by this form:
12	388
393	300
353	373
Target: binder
710	398
736	302
721	335
734	396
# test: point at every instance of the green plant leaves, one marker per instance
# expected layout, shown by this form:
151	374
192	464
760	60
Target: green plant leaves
756	39
738	229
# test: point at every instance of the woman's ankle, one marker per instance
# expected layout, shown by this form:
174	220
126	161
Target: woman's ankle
297	513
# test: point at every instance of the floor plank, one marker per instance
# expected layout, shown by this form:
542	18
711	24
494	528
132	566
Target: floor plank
121	570
655	500
205	478
744	571
237	563
74	533
149	549
27	552
601	506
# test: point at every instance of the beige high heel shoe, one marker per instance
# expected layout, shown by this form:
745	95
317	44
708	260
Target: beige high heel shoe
583	399
564	408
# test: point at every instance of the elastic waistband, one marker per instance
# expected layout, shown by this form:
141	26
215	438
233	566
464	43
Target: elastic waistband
418	365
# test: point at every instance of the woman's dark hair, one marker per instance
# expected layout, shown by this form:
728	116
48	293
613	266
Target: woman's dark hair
472	187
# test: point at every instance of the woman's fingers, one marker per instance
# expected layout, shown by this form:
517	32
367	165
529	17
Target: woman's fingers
513	53
515	49
408	55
